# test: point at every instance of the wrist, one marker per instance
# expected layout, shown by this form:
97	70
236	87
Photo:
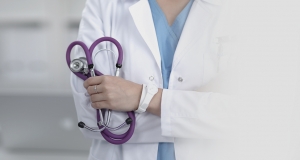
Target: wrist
155	104
148	92
139	90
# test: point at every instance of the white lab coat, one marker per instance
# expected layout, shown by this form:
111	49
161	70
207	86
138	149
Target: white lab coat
185	114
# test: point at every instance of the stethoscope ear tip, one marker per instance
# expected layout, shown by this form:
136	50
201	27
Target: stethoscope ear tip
81	125
128	121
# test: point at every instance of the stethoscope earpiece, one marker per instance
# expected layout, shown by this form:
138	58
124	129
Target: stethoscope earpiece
128	121
81	125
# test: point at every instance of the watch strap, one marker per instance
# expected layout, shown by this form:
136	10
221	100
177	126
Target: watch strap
147	94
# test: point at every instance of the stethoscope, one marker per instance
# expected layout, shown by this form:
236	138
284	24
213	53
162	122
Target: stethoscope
84	68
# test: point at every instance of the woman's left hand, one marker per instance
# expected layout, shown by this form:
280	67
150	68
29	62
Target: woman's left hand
113	93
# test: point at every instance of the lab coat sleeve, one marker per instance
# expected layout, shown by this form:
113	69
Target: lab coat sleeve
89	31
91	28
193	114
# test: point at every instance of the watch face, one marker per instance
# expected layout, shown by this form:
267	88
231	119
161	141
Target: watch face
152	89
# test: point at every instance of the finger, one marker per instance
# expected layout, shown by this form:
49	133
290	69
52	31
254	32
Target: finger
95	89
100	105
92	81
97	98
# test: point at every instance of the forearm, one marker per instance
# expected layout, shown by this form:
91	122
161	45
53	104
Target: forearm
147	125
155	104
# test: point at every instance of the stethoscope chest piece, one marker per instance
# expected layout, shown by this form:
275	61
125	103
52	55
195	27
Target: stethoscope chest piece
79	65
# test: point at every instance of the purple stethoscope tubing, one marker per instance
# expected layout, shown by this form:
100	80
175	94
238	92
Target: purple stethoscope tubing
107	135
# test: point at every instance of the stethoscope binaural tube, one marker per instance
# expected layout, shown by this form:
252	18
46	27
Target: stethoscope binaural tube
115	42
107	135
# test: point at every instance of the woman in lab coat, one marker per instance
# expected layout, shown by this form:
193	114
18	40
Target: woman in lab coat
179	114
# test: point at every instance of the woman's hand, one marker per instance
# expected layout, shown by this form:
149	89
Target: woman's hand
113	93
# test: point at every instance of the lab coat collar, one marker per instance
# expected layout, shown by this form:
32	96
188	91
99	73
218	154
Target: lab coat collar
142	17
195	26
215	2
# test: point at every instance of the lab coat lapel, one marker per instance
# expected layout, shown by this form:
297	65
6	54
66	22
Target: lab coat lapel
141	14
195	26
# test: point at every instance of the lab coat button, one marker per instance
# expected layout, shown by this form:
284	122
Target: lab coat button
180	79
151	78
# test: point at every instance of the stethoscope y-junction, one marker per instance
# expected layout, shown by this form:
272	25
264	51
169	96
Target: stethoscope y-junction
84	68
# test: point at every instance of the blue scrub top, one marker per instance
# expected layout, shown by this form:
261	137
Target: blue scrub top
167	37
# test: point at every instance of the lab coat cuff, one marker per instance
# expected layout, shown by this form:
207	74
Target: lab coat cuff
166	125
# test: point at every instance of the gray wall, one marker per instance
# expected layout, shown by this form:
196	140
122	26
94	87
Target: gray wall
34	35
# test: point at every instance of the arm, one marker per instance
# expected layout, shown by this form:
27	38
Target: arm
147	124
184	114
190	114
